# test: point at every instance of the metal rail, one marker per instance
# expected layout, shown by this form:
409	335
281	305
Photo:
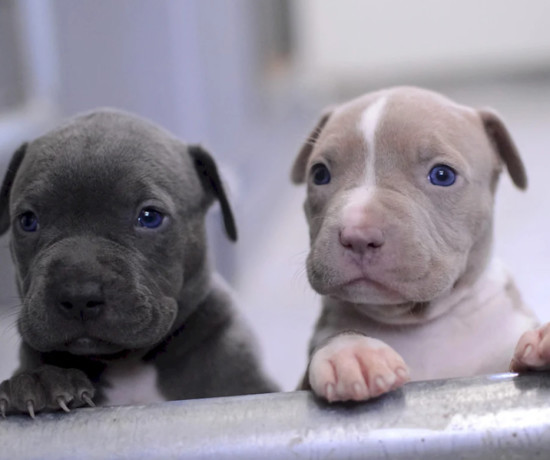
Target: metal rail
495	417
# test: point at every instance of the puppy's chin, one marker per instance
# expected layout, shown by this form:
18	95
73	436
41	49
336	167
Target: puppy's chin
380	284
87	346
376	288
363	291
399	306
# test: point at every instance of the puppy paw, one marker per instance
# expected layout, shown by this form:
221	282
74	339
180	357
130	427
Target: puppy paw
354	367
532	351
47	388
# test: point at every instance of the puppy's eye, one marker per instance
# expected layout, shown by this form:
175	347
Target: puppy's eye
28	221
150	218
320	174
442	175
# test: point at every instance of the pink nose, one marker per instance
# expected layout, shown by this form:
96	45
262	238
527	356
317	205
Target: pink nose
361	239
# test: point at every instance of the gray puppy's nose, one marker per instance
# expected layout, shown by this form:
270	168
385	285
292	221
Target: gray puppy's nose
361	239
81	301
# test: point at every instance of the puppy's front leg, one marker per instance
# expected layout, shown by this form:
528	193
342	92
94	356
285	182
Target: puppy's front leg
532	351
351	366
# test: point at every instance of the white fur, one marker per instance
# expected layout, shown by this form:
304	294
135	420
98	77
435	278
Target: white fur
476	334
358	198
131	383
368	124
352	213
338	371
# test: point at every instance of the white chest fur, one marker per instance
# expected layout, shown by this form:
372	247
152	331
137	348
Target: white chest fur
476	334
131	383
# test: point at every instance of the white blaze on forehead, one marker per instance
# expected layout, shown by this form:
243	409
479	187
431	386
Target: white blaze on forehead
368	123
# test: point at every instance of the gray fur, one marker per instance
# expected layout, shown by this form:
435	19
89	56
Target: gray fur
97	288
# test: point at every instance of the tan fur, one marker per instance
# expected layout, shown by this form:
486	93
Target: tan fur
427	291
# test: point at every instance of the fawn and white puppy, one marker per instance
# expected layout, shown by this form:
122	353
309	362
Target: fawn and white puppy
400	193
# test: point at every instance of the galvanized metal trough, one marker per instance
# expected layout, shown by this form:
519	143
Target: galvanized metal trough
501	416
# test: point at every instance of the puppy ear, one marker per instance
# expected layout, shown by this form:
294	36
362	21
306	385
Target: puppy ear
504	145
211	182
15	162
298	173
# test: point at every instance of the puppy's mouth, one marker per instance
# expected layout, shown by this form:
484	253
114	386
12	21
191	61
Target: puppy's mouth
365	284
88	346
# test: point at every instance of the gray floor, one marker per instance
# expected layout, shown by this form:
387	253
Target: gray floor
267	268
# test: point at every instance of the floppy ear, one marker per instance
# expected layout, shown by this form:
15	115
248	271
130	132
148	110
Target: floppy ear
15	162
212	184
298	174
504	146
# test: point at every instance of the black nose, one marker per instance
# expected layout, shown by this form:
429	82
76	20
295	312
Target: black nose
81	301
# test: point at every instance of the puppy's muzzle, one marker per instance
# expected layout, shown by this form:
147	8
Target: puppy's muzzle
91	295
75	280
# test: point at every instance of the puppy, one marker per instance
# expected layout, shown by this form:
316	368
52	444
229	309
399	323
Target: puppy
119	304
400	194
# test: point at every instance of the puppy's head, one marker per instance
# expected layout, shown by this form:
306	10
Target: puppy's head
107	220
400	188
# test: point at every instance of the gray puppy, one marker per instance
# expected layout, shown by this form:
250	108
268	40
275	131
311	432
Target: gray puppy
120	306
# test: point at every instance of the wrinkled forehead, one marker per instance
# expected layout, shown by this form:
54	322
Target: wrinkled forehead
102	136
413	118
399	121
344	129
116	164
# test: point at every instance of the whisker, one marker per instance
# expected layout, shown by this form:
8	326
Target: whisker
10	332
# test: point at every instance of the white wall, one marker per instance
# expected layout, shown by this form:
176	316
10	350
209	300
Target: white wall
346	40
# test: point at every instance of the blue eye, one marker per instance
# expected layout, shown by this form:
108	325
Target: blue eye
28	221
320	173
150	218
442	175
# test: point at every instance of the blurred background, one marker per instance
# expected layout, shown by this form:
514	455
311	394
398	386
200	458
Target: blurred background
247	79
